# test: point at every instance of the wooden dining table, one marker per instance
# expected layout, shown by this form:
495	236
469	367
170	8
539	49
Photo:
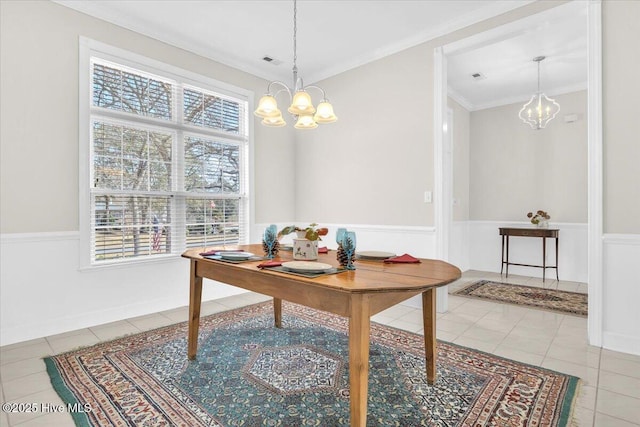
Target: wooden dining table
356	294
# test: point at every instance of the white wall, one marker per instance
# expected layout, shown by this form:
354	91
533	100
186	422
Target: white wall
621	293
43	293
485	245
418	241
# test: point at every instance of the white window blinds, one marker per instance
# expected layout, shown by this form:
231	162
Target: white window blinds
168	164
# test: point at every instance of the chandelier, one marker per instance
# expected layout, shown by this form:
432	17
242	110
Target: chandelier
540	109
304	113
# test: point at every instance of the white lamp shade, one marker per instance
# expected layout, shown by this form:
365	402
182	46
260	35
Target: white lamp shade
274	122
325	114
301	104
267	107
305	122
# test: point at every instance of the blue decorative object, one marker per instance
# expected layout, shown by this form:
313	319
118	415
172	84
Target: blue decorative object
340	235
349	247
270	241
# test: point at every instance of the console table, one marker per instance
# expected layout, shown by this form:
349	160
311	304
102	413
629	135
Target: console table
543	233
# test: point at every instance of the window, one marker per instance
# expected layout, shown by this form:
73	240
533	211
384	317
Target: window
167	160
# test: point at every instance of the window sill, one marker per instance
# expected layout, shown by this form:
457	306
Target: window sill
108	265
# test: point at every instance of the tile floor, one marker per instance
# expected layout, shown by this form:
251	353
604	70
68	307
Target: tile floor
610	395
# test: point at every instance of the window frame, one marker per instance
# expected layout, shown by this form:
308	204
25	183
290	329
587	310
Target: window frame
88	49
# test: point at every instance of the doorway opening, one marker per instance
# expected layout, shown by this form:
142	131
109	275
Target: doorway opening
442	195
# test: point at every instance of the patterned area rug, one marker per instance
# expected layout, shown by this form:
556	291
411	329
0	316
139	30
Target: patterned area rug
248	373
547	299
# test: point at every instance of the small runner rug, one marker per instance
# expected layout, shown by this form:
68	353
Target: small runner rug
248	373
547	299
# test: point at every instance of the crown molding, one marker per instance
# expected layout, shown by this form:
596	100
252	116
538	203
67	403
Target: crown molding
457	96
494	9
525	97
100	10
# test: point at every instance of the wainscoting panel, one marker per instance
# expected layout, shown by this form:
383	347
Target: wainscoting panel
418	241
459	245
44	293
621	293
485	245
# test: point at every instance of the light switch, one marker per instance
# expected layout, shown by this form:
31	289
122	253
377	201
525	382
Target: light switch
427	196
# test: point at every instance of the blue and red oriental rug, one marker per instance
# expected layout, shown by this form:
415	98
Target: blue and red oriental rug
248	373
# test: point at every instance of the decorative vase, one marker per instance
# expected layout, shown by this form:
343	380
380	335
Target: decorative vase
270	243
543	224
347	250
304	249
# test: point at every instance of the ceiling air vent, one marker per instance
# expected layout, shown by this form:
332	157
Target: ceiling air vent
478	76
271	60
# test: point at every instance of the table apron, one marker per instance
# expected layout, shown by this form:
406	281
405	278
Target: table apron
336	301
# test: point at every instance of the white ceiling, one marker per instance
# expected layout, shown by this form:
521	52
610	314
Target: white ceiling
335	36
504	57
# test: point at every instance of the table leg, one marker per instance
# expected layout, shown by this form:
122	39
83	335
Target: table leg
502	256
429	322
195	299
359	327
557	277
544	257
277	312
507	275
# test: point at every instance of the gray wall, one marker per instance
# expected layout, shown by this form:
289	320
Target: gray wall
621	127
460	158
515	169
39	124
380	153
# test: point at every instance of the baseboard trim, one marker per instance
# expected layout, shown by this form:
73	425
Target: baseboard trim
621	343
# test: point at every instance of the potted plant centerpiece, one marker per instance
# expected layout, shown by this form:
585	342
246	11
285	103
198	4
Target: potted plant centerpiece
305	246
540	219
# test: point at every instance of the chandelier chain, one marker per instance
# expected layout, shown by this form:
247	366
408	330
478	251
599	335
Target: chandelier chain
538	78
295	37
